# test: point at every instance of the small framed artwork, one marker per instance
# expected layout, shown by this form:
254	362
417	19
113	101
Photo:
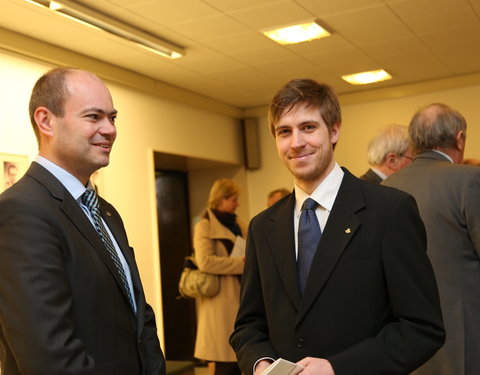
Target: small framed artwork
12	168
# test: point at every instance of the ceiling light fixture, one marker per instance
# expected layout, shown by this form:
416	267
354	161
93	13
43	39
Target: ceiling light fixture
297	33
365	78
89	17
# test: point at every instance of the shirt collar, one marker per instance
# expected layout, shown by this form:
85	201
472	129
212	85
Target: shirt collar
325	193
379	173
70	182
444	154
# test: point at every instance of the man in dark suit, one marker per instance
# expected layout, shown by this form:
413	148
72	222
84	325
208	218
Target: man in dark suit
448	197
388	152
71	300
369	304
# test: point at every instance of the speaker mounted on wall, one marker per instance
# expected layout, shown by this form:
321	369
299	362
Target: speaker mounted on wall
251	143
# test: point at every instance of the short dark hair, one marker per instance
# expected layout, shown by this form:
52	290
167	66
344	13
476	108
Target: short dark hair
435	126
51	92
309	92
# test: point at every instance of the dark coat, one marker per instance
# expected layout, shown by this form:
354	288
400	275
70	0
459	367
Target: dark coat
370	305
371	176
63	310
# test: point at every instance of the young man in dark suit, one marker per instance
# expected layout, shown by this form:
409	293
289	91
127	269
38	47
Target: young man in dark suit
71	299
364	300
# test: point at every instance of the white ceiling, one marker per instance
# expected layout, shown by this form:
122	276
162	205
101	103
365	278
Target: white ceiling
229	60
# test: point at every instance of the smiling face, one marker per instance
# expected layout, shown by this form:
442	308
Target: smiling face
305	145
80	141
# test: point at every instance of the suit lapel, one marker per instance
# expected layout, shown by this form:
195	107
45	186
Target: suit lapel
67	203
77	217
341	227
280	237
120	237
118	232
116	228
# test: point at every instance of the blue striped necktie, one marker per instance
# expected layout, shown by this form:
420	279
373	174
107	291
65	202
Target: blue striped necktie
90	199
309	233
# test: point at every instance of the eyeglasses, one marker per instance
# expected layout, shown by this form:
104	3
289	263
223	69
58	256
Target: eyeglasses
405	156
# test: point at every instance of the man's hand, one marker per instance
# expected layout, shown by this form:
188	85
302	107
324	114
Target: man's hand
315	366
262	366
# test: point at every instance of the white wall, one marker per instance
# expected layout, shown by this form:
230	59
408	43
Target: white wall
17	78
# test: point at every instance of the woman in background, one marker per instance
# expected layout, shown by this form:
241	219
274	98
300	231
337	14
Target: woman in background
214	238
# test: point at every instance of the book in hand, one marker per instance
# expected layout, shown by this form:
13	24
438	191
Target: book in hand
283	367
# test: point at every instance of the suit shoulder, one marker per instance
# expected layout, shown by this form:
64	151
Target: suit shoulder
377	188
273	211
26	191
383	193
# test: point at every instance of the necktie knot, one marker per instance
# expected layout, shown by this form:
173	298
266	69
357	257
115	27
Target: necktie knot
90	199
309	204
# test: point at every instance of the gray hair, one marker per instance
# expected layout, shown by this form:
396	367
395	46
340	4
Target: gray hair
392	139
436	126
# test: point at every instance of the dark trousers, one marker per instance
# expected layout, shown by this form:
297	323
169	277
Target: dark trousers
227	368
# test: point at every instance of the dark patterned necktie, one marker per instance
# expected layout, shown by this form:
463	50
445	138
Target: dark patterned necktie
90	199
309	233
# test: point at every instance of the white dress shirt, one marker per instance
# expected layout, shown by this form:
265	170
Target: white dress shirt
324	194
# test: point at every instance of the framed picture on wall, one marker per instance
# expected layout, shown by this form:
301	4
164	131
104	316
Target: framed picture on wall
12	168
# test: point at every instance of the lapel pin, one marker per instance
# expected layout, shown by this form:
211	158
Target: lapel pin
348	230
108	213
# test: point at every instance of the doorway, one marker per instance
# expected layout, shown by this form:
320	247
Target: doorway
182	187
175	241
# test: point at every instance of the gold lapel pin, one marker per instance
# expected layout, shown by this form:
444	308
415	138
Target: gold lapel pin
108	213
348	230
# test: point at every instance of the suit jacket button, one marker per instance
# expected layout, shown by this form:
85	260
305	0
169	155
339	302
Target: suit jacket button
300	343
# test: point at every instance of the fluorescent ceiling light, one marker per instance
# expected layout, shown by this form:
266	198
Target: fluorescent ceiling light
302	32
89	17
365	78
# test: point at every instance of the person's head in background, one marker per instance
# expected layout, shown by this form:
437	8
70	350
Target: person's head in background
224	196
275	195
475	162
441	128
390	151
